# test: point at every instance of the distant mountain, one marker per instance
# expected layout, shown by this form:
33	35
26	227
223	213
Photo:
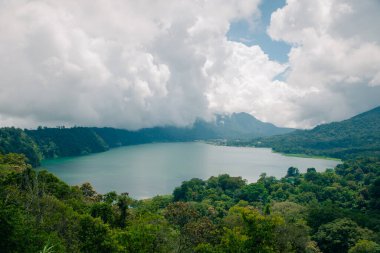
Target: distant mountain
359	135
243	126
60	142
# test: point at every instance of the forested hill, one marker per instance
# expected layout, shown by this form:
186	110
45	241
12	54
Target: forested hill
350	138
59	142
13	140
357	136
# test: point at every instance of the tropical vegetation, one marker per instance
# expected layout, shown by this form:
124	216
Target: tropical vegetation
332	211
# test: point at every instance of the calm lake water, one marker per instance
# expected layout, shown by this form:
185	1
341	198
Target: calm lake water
153	169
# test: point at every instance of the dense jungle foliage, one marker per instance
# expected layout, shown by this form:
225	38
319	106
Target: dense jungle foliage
332	211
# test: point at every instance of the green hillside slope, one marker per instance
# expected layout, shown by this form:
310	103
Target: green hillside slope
60	142
14	140
357	136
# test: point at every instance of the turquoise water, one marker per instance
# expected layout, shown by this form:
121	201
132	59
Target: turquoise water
152	169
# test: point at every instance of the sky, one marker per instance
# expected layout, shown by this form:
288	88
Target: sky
253	32
133	64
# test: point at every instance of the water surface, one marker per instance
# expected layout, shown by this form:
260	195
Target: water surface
152	169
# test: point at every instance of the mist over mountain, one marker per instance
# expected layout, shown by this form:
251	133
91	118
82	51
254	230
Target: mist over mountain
346	139
60	142
45	142
243	125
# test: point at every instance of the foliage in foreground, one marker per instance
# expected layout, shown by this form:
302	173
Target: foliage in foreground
333	211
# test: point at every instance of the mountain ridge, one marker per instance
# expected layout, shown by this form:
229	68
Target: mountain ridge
349	138
62	142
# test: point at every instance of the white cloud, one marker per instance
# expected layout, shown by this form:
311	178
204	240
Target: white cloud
335	57
247	83
136	64
122	63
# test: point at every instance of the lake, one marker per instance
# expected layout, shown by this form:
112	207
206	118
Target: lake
154	169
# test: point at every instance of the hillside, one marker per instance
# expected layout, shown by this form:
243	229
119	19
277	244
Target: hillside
59	142
13	140
357	136
47	142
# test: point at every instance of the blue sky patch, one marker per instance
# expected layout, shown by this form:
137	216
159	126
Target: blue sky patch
242	31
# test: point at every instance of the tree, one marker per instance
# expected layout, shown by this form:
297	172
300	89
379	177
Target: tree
190	190
292	172
260	230
234	241
149	233
181	213
88	190
311	174
110	197
227	184
103	211
318	215
339	235
290	211
199	231
96	236
374	192
254	192
292	237
365	246
123	203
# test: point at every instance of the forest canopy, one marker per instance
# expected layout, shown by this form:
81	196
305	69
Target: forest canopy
332	211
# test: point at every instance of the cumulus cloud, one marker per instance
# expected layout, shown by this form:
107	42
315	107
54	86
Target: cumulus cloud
122	63
134	64
247	82
335	58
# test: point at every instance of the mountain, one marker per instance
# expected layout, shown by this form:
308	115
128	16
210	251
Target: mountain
357	136
61	141
243	126
354	137
237	126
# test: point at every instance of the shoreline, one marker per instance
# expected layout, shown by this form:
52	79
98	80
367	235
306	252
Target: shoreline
300	155
308	156
209	142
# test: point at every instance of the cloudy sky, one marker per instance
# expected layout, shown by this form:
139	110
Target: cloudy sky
133	64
